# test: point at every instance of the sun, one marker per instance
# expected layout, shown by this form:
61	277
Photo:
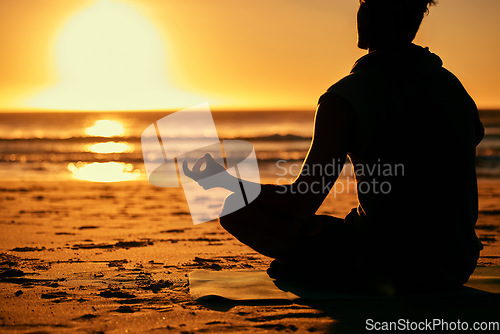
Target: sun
110	57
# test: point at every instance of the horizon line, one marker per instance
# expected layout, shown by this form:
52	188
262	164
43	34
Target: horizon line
171	110
166	110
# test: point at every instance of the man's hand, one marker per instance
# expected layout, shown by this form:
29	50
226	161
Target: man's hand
212	176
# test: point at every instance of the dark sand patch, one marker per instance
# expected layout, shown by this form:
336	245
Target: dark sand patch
88	227
117	263
181	213
54	295
15	190
85	317
28	249
146	282
127	309
119	244
277	327
12	273
178	230
114	292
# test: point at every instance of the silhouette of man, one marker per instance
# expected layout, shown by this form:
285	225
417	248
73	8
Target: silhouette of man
410	130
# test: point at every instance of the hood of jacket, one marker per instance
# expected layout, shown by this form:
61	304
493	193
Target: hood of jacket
412	60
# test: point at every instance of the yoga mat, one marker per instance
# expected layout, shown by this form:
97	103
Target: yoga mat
235	285
257	285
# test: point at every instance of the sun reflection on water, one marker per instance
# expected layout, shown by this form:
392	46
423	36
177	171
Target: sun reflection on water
110	147
104	171
106	128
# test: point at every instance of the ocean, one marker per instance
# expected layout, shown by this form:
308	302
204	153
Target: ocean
71	145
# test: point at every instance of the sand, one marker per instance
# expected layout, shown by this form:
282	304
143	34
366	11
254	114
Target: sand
88	257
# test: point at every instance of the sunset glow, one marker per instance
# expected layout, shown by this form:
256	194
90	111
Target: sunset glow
236	55
109	57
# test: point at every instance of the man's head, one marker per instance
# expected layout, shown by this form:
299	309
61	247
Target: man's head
386	23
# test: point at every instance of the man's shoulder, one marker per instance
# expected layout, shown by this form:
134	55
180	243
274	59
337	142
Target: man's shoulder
359	80
356	84
448	84
451	78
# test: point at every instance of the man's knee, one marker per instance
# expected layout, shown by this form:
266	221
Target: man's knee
230	217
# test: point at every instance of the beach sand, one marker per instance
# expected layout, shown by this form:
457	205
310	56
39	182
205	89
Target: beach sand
113	258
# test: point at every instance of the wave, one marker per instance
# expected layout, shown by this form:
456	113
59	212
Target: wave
263	137
88	139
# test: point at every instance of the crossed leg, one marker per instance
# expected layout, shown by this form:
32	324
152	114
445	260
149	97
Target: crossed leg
321	244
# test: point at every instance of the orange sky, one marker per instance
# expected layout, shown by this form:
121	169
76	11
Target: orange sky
279	54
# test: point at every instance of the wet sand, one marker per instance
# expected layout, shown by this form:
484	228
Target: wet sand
114	258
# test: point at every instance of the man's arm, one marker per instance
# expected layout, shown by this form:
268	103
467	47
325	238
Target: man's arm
333	131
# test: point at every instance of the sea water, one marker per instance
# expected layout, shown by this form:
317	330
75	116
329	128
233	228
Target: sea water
59	145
